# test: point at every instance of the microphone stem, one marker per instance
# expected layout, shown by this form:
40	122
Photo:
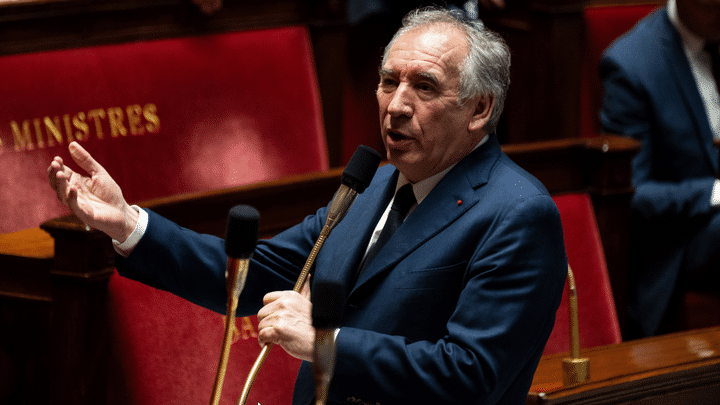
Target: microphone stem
324	365
237	272
321	401
298	285
311	259
253	373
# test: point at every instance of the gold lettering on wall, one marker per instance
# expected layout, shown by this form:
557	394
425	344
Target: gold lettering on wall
22	139
115	116
247	330
83	129
52	127
153	121
55	130
97	115
38	133
134	116
68	130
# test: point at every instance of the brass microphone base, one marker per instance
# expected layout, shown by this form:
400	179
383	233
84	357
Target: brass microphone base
575	371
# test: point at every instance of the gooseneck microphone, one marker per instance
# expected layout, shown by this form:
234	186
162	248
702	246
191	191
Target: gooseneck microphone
327	314
355	179
241	237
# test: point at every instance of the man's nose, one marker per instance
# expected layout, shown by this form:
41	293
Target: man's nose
401	102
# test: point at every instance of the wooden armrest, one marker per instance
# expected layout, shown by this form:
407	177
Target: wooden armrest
282	203
32	243
683	367
599	165
31	251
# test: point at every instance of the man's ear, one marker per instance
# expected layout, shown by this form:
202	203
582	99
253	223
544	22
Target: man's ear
481	115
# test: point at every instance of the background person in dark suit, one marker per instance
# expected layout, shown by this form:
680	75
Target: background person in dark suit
659	89
457	305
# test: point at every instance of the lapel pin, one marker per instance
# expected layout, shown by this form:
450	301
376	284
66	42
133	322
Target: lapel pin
459	202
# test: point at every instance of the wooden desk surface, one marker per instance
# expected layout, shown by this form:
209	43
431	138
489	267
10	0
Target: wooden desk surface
25	260
679	368
33	243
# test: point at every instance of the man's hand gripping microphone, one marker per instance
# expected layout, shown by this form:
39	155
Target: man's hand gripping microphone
355	179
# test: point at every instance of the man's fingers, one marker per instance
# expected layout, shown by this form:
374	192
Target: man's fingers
52	174
62	187
71	199
266	330
58	175
83	159
271	297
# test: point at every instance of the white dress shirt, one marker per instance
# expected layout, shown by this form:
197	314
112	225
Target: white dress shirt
701	67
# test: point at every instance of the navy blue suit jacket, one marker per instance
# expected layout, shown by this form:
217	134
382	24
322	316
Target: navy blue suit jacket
455	309
650	94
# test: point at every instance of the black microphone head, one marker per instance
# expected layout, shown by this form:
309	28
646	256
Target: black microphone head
361	168
241	233
328	302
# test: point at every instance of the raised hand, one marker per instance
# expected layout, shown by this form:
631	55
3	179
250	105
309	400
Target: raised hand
95	198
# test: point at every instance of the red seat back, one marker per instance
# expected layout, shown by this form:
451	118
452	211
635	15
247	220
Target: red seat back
164	117
166	351
361	122
603	25
598	322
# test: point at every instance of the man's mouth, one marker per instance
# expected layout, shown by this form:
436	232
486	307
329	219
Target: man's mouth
397	136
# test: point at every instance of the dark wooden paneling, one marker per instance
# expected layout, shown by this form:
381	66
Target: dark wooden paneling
547	47
42	26
25	354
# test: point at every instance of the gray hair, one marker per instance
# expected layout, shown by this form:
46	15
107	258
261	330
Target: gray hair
486	69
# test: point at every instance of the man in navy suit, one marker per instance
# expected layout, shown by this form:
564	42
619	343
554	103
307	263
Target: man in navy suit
458	304
659	88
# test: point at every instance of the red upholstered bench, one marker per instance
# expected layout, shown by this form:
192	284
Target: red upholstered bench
165	117
165	350
598	322
603	25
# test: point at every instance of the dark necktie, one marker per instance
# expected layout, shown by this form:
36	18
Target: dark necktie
404	200
713	49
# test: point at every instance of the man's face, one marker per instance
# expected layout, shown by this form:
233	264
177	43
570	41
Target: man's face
423	127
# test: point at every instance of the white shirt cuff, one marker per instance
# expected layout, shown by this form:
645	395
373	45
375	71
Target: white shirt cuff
715	196
125	248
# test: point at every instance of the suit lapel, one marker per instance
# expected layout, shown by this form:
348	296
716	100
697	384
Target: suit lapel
682	75
450	199
352	235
